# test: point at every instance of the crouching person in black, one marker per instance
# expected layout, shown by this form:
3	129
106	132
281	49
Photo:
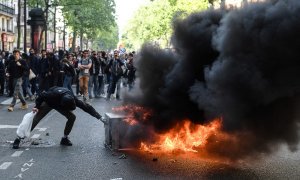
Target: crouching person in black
62	100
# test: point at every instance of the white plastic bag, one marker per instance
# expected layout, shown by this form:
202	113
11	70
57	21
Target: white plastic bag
31	74
25	126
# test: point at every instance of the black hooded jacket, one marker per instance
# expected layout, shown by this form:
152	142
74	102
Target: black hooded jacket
54	96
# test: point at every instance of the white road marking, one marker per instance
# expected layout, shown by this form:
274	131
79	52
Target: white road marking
16	126
5	165
8	101
8	126
27	149
17	153
42	129
35	136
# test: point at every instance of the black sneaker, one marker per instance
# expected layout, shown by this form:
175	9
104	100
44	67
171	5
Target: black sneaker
65	141
16	143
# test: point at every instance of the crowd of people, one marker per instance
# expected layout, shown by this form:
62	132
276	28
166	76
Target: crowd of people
95	74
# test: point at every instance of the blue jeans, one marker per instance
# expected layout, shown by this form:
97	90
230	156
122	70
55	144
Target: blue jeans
93	84
114	83
25	86
100	89
17	84
68	83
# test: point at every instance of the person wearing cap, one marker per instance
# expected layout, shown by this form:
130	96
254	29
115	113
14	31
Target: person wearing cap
62	100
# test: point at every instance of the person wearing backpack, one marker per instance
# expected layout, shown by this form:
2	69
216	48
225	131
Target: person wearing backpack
84	65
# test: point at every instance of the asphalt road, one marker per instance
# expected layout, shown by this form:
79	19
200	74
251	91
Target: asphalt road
89	159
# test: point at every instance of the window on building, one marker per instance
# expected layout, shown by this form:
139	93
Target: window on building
3	24
8	25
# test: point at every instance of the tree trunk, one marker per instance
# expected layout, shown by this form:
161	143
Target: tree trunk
25	26
54	24
19	24
74	41
46	26
64	36
81	39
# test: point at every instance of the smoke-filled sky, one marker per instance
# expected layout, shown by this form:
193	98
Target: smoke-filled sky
241	65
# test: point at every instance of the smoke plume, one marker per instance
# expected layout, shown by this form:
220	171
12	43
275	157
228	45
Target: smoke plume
241	65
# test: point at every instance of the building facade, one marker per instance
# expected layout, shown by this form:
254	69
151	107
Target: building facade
7	13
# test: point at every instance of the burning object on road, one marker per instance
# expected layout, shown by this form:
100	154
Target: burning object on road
239	67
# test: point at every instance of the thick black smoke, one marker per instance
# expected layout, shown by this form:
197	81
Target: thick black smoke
242	65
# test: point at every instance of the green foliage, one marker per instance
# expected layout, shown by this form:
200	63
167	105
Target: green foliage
154	21
89	15
37	3
86	17
106	40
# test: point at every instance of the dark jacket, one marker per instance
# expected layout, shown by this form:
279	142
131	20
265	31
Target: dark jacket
115	66
43	67
68	68
130	72
94	70
33	63
53	99
2	70
16	71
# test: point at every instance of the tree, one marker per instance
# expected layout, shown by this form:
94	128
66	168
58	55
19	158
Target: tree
106	40
89	17
19	24
154	21
83	17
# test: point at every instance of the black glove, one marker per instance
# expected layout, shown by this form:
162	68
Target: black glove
98	116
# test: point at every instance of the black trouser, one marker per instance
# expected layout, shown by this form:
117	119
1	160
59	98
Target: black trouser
43	84
34	88
112	84
45	109
2	87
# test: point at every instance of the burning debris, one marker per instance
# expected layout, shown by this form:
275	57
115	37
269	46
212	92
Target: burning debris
239	67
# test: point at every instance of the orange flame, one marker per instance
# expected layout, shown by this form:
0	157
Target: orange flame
185	137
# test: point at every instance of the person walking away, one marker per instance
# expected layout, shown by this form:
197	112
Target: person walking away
16	69
62	100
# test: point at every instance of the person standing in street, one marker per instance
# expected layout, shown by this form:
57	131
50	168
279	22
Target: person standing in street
62	100
43	72
33	64
115	67
15	70
94	71
69	72
84	66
